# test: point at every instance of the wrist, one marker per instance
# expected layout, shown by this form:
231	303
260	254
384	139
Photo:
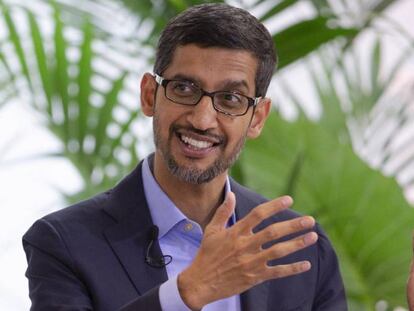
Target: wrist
190	292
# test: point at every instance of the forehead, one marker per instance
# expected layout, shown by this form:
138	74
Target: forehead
213	66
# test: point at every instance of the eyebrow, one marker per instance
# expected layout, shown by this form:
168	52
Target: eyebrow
226	84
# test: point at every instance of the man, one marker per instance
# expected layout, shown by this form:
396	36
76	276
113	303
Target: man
178	233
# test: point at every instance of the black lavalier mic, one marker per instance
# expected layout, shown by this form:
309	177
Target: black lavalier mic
159	262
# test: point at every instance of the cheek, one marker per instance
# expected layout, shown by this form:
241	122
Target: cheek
164	119
236	132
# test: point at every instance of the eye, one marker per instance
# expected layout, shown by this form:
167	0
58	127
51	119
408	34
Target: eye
231	97
183	88
229	100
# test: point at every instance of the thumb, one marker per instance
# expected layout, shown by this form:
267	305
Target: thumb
223	213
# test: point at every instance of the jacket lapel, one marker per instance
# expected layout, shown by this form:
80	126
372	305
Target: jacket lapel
129	236
255	298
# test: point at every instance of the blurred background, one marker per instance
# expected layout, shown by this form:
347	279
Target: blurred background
340	139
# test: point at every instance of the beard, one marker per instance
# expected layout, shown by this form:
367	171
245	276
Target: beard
191	174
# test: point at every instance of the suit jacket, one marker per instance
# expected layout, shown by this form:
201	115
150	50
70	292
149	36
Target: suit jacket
91	256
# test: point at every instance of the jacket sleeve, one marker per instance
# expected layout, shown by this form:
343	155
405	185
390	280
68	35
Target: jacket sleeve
149	301
330	292
55	283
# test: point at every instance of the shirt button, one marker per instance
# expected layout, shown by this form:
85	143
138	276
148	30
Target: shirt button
188	226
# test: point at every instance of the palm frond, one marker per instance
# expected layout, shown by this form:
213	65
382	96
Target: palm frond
364	213
80	102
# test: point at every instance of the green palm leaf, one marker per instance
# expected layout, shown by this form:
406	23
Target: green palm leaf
364	213
16	41
299	40
66	98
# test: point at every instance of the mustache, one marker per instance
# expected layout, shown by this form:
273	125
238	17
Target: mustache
174	128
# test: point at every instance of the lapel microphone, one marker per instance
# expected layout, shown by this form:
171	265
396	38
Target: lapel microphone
155	262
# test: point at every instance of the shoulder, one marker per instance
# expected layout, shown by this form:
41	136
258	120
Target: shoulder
99	211
74	221
81	211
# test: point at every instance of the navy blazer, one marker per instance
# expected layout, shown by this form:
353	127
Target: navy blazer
91	256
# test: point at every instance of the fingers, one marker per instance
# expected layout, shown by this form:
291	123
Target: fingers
283	249
223	213
265	210
236	253
281	271
281	229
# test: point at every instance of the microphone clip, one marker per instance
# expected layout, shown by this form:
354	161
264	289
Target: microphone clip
159	262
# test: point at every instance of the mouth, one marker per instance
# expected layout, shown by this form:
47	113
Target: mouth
195	145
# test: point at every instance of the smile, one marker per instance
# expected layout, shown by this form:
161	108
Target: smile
194	143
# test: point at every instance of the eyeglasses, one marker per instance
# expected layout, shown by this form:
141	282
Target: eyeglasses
187	93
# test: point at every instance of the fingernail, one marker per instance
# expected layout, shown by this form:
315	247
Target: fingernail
309	238
306	265
306	222
287	201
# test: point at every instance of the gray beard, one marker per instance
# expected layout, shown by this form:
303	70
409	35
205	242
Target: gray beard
188	174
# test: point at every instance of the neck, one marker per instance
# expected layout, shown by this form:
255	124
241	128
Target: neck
196	202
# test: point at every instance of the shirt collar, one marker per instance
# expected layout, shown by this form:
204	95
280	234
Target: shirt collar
164	213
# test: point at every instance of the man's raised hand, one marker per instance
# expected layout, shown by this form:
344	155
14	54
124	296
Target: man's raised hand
232	260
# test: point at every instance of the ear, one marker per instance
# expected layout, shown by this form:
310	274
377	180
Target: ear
259	117
148	89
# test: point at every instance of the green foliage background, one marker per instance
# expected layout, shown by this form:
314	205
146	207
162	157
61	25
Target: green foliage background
364	213
366	216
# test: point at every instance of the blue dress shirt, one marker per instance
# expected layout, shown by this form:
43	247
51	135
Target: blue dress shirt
179	237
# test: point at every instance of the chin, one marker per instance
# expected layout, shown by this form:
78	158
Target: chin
194	174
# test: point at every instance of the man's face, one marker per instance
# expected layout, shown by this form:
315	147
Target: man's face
197	143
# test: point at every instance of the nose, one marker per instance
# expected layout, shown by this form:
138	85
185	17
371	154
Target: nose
203	116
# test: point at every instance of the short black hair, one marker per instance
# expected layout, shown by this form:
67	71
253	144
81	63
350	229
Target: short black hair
219	25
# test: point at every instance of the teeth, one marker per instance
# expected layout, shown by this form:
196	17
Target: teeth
196	143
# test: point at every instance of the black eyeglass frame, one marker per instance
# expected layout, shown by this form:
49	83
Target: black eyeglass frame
251	102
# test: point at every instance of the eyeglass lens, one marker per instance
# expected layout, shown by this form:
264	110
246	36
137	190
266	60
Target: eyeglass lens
186	93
